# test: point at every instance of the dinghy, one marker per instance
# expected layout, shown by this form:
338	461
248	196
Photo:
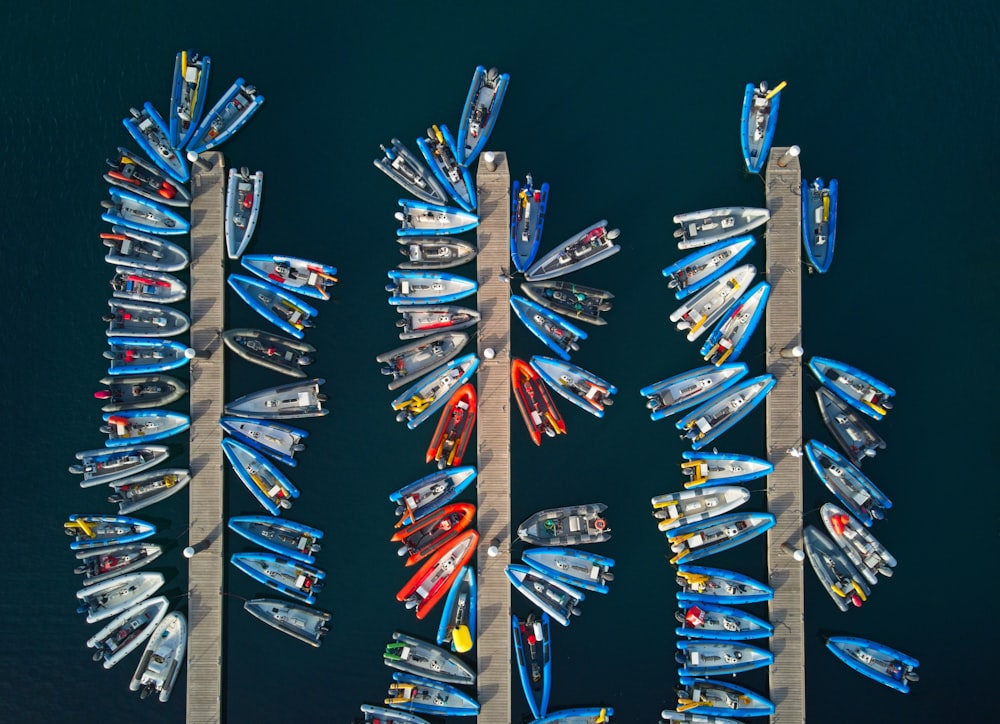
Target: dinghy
421	287
414	656
705	423
284	402
696	314
243	193
143	489
862	548
115	595
574	300
757	123
428	395
676	510
145	355
418	499
533	653
187	96
296	275
537	409
418	218
433	579
102	465
704	266
584	389
146	286
713	621
879	662
271	487
558	334
402	166
687	389
715	468
141	214
698	540
733	331
834	570
587	247
420	321
480	112
163	658
97	531
458	617
139	392
567	526
410	361
719	658
430	532
150	131
716	585
278	353
527	220
819	222
127	631
129	427
306	624
701	228
851	486
129	171
293	578
439	150
709	696
381	715
226	117
858	389
435	252
130	248
855	436
426	696
454	429
102	564
286	537
557	599
144	319
578	568
279	441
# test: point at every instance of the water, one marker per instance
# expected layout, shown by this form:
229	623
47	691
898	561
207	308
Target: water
630	116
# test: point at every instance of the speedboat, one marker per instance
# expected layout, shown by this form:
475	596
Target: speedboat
527	220
129	171
819	222
696	314
297	275
567	526
102	465
293	578
271	487
557	599
858	389
419	218
141	319
713	621
415	656
287	537
130	248
282	309
279	441
136	212
480	112
863	549
187	96
733	331
113	596
877	661
147	286
856	437
143	489
415	359
834	570
438	148
243	192
533	652
139	392
539	412
437	574
426	696
281	354
704	266
458	617
698	540
716	585
719	658
454	429
420	321
163	658
226	117
558	334
578	568
708	696
101	564
715	468
306	624
127	631
422	287
130	427
701	228
435	252
150	131
144	355
428	395
676	510
401	165
851	486
587	247
422	497
757	123
687	389
433	530
382	715
706	422
574	300
581	715
584	389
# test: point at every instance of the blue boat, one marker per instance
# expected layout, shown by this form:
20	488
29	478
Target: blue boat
717	585
226	117
423	287
426	696
438	149
703	538
144	355
715	468
757	123
858	389
557	599
733	331
263	479
98	531
141	214
877	661
429	394
713	697
584	389
187	96
704	266
480	112
846	481
150	132
582	715
713	621
819	222
687	389
458	618
282	309
572	566
129	171
533	652
718	658
310	278
558	334
293	578
295	540
418	218
705	423
279	441
381	715
130	427
425	495
527	220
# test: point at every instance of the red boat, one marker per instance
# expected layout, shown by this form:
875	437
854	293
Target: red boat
436	576
428	534
454	428
539	412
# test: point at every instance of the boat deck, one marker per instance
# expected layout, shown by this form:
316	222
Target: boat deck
493	641
784	432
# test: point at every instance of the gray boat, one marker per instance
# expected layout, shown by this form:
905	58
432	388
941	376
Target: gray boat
571	525
144	319
102	465
127	247
162	659
147	286
133	392
307	624
699	312
243	194
408	362
414	656
299	399
132	173
834	569
100	564
143	489
576	301
403	167
435	252
855	436
863	549
128	631
274	351
114	595
700	228
587	247
419	321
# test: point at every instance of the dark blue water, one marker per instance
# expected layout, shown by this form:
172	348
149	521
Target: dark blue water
630	116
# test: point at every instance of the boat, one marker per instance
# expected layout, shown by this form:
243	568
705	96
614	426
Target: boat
243	192
715	468
708	696
297	541
438	149
719	658
143	489
422	497
757	123
415	656
527	221
187	96
420	321
864	550
676	510
706	422
708	226
127	631
851	486
308	625
696	314
577	568
819	222
428	395
480	112
141	214
293	578
381	715
98	531
834	570
733	331
282	309
858	389
533	653
297	275
279	441
433	530
163	658
284	402
695	541
271	487
144	355
102	465
438	573
115	595
458	617
713	621
574	300
855	436
559	600
558	334
454	429
716	585
584	389
146	286
567	526
129	171
144	319
419	218
879	662
130	248
150	131
102	564
402	165
687	389
671	715
422	287
129	427
435	252
226	117
426	696
581	715
415	359
584	248
281	354
700	268
540	414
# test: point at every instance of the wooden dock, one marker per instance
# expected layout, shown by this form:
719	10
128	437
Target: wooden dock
784	436
493	640
205	568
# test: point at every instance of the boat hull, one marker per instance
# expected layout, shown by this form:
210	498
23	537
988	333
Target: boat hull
819	222
558	334
583	249
680	392
533	654
284	402
226	117
878	662
422	219
272	489
566	526
458	617
716	585
428	395
289	538
705	423
725	623
698	270
243	194
292	578
282	309
301	622
717	468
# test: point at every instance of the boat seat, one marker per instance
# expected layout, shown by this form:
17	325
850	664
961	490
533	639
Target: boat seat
574	524
126	247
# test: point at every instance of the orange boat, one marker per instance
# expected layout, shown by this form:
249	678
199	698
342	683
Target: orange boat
539	412
437	575
454	428
428	534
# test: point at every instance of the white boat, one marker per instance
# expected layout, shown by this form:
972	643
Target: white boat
862	548
584	248
298	399
113	596
696	314
163	658
689	506
127	631
700	228
242	207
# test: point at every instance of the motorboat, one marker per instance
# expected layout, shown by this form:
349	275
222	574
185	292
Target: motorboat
698	313
480	112
275	439
127	631
421	538
757	123
708	696
572	566
439	150
141	214
584	304
101	466
134	392
144	319
700	268
559	600
226	117
271	487
102	564
716	585
533	653
558	334
404	167
149	130
540	414
527	221
297	541
836	573
567	526
715	468
846	481
733	331
419	218
858	389
584	248
580	715
717	622
187	96
584	389
697	657
422	287
695	541
301	276
131	427
422	497
293	578
382	715
284	402
139	285
879	662
706	422
416	656
428	395
857	439
863	549
708	226
130	248
458	617
415	359
143	489
426	696
281	354
438	573
130	171
243	192
435	252
419	321
163	658
454	429
819	222
687	389
308	625
144	355
113	596
98	531
676	510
